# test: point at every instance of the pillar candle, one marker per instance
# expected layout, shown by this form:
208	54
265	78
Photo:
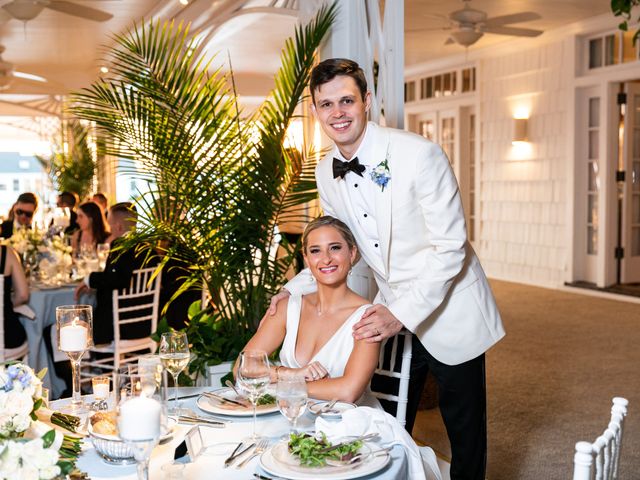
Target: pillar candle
139	419
73	338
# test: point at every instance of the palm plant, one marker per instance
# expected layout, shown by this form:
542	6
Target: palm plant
71	166
219	183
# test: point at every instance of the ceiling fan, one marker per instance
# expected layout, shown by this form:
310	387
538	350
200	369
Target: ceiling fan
468	25
8	74
26	10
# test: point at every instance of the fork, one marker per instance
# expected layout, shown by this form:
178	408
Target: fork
260	448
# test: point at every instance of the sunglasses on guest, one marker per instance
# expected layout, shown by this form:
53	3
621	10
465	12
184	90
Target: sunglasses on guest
26	213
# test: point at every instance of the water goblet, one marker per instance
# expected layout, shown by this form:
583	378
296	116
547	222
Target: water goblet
174	355
74	330
253	378
292	397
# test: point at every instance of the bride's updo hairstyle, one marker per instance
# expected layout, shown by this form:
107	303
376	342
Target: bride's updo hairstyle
339	225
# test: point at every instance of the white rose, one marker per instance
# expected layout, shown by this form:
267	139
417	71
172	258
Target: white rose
4	378
19	403
28	473
49	472
21	423
10	460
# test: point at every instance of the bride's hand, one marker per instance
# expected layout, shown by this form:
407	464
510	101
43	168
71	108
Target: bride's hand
314	371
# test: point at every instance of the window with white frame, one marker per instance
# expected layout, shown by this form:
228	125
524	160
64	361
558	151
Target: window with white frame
593	177
443	84
611	48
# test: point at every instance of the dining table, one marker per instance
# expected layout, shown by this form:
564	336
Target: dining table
219	443
35	317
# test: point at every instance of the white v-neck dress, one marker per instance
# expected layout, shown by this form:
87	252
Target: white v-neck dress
333	355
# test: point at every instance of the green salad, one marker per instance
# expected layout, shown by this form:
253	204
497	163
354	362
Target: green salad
266	399
313	451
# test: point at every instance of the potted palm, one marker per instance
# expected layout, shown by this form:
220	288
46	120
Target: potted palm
219	181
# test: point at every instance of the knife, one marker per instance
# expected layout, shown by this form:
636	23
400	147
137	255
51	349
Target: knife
357	439
220	398
235	455
204	421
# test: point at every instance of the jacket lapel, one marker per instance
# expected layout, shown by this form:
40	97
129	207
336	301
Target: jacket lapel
383	197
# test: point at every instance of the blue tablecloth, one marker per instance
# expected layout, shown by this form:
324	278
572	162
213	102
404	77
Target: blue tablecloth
44	303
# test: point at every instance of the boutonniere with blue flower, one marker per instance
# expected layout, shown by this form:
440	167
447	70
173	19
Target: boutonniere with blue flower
380	174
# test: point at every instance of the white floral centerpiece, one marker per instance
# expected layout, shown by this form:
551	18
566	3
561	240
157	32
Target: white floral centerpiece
45	252
31	447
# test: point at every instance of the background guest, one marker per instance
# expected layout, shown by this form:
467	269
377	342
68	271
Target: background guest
21	214
116	275
101	199
69	200
93	228
16	292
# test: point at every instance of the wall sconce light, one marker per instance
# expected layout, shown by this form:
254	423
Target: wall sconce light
519	130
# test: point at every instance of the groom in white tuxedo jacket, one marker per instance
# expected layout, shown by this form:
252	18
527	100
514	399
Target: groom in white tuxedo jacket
398	194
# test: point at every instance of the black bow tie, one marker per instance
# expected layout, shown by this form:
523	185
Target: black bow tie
340	168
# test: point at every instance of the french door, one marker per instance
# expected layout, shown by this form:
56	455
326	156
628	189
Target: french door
631	191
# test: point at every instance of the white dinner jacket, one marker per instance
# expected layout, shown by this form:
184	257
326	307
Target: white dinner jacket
431	279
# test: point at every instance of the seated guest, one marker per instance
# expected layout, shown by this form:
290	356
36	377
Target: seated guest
16	292
69	200
22	214
93	228
116	275
315	330
101	199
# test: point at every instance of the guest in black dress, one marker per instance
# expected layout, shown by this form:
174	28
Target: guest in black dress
16	292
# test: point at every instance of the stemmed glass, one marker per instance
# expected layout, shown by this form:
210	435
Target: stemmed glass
102	249
74	329
253	378
141	406
61	219
174	355
291	395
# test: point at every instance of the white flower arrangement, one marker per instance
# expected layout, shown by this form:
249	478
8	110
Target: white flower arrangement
30	448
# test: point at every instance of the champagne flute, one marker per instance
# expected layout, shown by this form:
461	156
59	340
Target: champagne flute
253	378
174	355
292	397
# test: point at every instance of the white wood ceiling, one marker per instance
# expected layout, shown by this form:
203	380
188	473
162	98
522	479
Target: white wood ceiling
67	50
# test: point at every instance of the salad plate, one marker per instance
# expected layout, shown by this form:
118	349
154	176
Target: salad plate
210	404
278	461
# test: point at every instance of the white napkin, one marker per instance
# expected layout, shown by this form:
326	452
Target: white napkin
26	311
365	420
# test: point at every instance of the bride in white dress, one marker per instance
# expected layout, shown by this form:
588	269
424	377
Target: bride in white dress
315	330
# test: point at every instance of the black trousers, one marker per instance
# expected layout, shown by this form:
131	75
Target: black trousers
462	400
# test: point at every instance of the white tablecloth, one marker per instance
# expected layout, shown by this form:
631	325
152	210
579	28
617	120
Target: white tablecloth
221	442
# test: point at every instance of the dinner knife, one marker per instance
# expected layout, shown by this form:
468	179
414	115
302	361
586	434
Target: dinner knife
223	399
234	455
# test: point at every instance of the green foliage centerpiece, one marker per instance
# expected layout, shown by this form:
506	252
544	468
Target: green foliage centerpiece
219	182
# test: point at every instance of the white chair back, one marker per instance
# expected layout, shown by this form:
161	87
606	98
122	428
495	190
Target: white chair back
143	296
17	353
140	302
600	460
388	367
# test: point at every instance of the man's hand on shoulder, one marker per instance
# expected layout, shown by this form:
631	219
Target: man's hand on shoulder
273	306
376	324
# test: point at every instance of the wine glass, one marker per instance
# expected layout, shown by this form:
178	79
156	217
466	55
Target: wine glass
142	417
253	378
74	329
291	395
174	355
102	249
